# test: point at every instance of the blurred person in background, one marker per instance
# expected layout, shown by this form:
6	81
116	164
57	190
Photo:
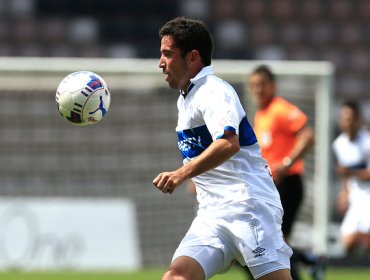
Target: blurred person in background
285	136
239	214
352	153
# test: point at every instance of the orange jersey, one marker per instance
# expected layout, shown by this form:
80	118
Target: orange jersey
276	128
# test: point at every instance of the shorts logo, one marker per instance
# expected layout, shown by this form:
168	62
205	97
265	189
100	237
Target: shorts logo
259	252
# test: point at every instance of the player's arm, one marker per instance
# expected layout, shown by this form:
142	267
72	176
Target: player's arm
305	139
217	153
360	173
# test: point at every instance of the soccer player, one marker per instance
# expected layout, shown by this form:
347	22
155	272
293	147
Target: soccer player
284	136
352	152
239	215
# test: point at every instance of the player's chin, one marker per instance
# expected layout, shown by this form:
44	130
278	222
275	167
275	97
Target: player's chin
172	84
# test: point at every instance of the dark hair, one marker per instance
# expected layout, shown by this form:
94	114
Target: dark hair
353	105
188	35
265	70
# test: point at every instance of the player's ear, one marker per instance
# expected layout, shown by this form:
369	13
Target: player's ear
194	56
194	60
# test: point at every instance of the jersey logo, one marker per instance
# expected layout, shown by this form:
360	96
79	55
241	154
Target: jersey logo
192	142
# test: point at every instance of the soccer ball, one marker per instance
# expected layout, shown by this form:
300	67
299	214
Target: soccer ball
83	98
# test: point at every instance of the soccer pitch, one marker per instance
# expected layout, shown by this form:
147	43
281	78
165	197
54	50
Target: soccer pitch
152	274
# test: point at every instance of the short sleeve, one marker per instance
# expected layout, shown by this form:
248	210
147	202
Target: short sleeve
221	113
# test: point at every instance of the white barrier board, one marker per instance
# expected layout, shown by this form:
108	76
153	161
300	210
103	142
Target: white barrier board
81	234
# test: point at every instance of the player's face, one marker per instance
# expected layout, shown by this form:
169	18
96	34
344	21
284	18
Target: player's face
348	122
262	89
174	65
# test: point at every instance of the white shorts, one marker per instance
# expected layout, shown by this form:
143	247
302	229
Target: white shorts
250	234
356	219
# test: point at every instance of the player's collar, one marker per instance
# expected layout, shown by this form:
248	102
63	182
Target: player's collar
185	93
208	70
205	71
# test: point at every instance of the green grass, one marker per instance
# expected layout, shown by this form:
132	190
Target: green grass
153	274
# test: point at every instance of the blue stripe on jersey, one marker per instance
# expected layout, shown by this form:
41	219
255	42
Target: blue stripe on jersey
229	128
192	142
246	133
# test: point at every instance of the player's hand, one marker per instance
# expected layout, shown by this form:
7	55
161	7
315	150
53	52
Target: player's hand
279	171
167	181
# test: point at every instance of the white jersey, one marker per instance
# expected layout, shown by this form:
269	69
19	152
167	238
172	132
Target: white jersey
211	107
355	154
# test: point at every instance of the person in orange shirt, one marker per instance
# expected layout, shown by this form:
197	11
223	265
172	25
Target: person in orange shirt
284	136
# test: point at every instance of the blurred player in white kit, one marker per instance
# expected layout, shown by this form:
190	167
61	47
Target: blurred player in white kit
352	152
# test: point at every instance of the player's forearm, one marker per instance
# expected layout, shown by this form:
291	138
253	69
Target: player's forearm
362	174
304	143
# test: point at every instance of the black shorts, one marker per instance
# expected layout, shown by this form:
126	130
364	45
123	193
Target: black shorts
291	195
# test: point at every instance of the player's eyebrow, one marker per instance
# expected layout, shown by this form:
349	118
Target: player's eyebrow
167	52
